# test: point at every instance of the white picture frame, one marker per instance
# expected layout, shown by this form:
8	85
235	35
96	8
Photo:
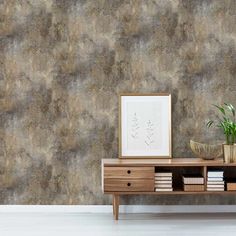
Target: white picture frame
145	126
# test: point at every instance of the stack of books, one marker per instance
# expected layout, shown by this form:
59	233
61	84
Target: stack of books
163	182
215	181
193	183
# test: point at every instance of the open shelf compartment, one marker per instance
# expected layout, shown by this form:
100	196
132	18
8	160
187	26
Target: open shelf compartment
178	172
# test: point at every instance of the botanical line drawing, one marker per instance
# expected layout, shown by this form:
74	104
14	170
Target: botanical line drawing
135	127
149	133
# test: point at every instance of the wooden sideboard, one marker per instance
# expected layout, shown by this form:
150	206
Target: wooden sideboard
136	176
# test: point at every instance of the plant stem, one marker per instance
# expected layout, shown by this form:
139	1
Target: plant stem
227	139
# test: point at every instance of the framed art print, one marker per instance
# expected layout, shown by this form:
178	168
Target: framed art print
145	126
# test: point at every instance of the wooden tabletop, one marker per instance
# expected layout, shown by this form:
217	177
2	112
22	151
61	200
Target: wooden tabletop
165	162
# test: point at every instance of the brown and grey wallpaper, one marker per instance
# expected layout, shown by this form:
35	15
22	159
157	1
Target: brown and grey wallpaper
63	64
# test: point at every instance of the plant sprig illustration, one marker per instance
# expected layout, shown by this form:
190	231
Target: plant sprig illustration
135	127
149	133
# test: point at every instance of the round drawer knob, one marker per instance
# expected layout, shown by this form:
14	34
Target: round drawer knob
128	171
129	184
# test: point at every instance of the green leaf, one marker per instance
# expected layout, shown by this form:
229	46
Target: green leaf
209	123
225	119
230	108
221	109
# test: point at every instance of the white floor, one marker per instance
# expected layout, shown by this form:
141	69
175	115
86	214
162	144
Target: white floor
96	224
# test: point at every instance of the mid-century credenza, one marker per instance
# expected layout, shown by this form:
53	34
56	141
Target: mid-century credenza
136	176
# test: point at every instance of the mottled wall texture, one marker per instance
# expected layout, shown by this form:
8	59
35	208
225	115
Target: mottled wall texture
63	64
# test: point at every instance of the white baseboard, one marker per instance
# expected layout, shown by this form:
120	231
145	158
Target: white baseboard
123	208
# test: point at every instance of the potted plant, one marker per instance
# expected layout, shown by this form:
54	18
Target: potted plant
227	122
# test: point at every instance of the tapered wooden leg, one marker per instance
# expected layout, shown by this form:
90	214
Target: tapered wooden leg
116	199
113	204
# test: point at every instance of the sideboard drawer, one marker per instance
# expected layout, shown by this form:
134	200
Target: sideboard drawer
128	185
129	172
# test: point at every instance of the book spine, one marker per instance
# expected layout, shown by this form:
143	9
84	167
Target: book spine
163	178
163	186
231	186
194	188
216	186
215	179
216	189
164	189
163	182
163	174
215	182
193	181
215	174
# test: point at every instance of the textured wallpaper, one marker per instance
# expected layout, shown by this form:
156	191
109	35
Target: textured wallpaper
63	64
